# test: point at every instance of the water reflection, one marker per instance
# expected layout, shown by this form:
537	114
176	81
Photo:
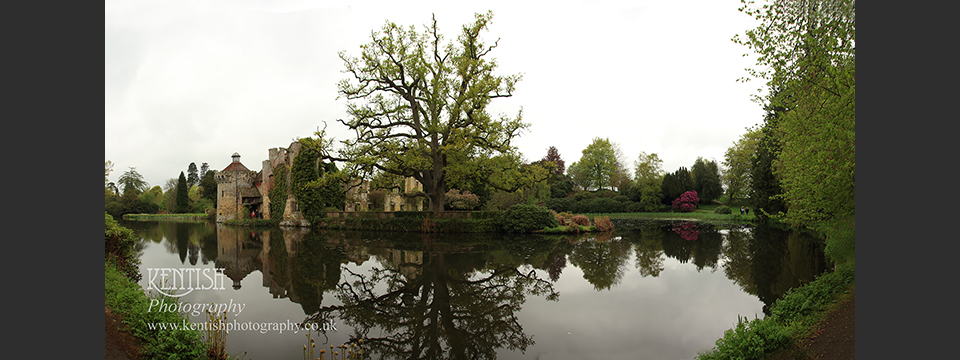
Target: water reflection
461	296
436	304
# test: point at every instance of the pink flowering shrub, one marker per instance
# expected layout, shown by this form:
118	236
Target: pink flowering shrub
687	202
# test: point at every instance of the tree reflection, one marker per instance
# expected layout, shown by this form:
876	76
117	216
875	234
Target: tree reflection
601	260
648	246
783	259
314	269
437	305
705	251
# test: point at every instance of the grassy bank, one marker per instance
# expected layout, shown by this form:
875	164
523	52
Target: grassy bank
703	215
126	299
791	319
155	217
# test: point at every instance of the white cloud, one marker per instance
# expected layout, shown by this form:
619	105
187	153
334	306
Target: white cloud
196	81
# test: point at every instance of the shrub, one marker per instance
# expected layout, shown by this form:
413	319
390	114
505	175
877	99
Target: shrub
561	204
523	218
749	340
501	200
606	205
580	220
118	248
455	200
687	202
722	210
603	223
841	242
607	193
562	221
127	299
584	195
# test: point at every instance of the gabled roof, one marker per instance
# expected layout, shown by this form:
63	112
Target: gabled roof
236	166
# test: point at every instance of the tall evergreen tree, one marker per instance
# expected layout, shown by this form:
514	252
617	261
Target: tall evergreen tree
192	176
183	200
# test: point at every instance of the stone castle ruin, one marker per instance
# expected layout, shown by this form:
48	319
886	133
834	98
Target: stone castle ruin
241	190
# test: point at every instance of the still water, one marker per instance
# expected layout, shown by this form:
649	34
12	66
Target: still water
661	291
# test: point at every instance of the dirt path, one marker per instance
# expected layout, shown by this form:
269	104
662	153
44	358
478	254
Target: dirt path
120	344
834	338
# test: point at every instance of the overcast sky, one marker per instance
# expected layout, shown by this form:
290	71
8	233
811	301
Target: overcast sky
196	81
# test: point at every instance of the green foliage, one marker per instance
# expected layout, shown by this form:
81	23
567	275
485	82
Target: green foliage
765	191
561	186
202	205
749	340
723	209
127	300
502	200
183	199
792	317
131	180
524	218
807	51
193	177
278	194
208	187
738	161
317	186
676	183
802	307
129	203
119	248
706	179
153	196
596	167
419	108
841	242
648	177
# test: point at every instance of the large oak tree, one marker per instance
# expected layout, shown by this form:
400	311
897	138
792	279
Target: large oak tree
418	106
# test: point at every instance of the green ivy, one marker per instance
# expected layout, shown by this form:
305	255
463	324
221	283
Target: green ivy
278	194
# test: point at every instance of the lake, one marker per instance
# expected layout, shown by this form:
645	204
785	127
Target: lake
664	290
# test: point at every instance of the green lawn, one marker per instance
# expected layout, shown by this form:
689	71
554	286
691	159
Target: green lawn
699	214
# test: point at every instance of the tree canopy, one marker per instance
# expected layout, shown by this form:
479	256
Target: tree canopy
706	179
737	164
132	181
807	53
418	107
553	155
597	165
193	178
648	175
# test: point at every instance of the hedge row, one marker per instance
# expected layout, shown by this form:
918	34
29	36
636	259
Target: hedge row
517	219
619	204
413	224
